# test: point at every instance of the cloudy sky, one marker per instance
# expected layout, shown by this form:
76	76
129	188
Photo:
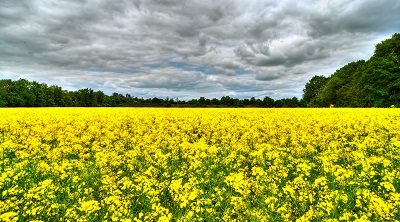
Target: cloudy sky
189	48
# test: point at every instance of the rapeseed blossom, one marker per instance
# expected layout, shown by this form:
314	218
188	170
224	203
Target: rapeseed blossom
156	164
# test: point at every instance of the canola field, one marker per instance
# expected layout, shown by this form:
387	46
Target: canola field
156	164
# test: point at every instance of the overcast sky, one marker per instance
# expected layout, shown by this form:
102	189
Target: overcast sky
189	48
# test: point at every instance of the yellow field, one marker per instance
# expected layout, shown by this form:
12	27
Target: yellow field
149	164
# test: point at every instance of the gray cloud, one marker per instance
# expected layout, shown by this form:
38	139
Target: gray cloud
356	16
188	48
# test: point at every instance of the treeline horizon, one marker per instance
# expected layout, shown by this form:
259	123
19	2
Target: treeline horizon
24	93
371	83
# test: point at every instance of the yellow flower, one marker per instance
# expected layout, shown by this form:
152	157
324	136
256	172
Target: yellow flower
90	206
9	216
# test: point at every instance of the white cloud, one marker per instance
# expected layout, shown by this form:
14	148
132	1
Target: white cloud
188	48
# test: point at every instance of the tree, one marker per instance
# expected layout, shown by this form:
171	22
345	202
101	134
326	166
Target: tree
268	102
99	98
202	101
226	101
5	88
37	91
328	93
86	97
313	88
371	83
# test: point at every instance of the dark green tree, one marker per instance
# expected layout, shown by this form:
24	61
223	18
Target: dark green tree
268	102
313	88
5	88
37	91
86	97
372	83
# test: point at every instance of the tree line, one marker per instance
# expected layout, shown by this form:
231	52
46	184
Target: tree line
24	93
371	83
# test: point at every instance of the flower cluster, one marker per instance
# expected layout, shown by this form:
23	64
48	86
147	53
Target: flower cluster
156	164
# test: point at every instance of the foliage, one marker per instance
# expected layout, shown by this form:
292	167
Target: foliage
23	93
372	83
156	164
313	88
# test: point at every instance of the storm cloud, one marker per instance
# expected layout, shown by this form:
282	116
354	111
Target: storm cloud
186	48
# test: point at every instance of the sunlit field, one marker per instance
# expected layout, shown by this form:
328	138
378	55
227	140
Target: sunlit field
155	164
